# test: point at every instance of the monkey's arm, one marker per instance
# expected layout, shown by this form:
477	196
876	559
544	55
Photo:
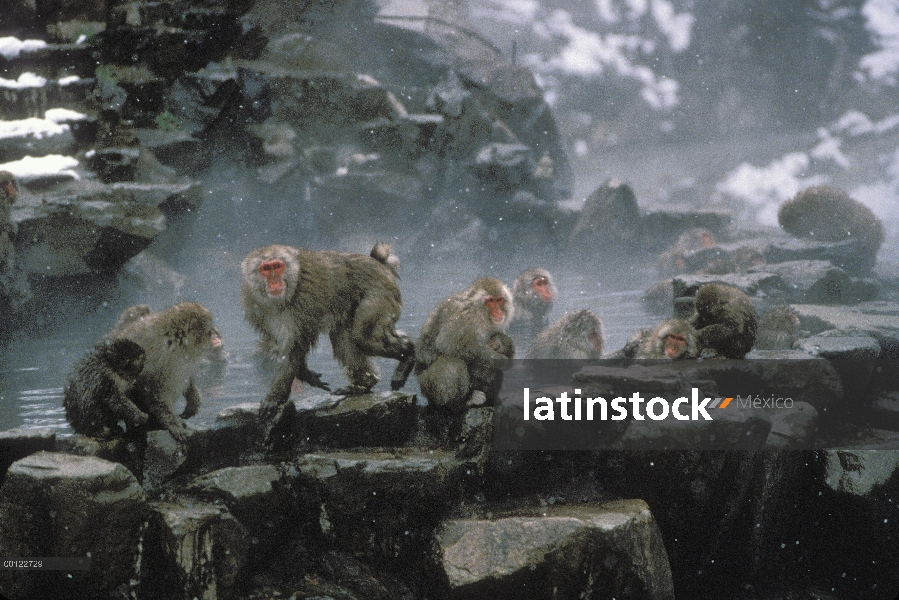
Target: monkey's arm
192	395
123	407
162	414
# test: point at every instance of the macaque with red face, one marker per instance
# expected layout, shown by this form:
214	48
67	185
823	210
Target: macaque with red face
576	335
459	343
291	296
674	339
534	293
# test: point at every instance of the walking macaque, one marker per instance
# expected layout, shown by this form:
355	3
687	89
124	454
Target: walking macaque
291	296
533	293
174	341
459	342
830	215
674	339
576	335
96	395
725	321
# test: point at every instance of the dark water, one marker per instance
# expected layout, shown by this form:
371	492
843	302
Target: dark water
33	367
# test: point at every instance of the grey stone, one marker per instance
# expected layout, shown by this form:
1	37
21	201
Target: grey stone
373	419
843	347
793	428
19	443
615	549
162	458
71	506
192	550
811	281
859	472
249	492
879	320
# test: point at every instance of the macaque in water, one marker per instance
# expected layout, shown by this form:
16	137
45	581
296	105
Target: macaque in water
291	296
576	335
533	293
459	343
725	321
674	339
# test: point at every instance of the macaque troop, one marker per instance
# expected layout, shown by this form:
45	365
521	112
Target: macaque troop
148	361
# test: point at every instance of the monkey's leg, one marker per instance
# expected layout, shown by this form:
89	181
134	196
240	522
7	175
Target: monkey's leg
357	366
192	395
445	382
378	336
126	410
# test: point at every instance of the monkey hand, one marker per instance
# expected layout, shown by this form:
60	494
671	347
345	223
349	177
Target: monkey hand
140	418
181	432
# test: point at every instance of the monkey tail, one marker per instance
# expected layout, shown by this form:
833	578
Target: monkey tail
381	253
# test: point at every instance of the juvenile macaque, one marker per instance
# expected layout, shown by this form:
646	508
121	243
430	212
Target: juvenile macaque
459	342
96	395
291	296
576	335
533	293
673	260
674	339
726	323
830	215
778	329
174	341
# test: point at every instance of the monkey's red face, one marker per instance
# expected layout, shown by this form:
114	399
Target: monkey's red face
707	240
596	340
541	286
273	273
10	188
215	339
674	345
497	307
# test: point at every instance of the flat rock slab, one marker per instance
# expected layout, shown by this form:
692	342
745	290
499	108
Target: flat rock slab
879	320
367	420
614	549
19	443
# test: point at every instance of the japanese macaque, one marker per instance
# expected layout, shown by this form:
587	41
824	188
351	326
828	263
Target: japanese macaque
459	343
174	341
673	260
674	339
291	295
831	215
778	329
96	395
576	335
533	293
725	321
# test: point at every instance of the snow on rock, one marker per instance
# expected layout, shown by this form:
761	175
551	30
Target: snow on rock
33	127
25	80
11	47
61	115
32	167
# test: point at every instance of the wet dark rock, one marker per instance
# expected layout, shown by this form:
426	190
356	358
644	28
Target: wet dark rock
163	457
850	255
378	504
793	428
368	420
811	281
613	549
59	141
251	493
859	472
63	505
52	61
192	550
115	164
885	410
19	443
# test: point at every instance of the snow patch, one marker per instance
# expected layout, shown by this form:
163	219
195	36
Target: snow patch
11	47
33	127
32	167
25	80
61	115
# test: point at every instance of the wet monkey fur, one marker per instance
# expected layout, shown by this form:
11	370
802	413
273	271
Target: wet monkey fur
726	322
96	395
533	293
674	339
575	335
459	342
291	296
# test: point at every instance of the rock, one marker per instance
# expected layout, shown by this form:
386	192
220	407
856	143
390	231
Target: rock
192	550
849	255
115	164
859	472
879	320
249	492
613	549
374	419
842	347
885	410
71	506
811	281
19	443
34	137
380	505
752	284
162	458
793	428
663	224
504	165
